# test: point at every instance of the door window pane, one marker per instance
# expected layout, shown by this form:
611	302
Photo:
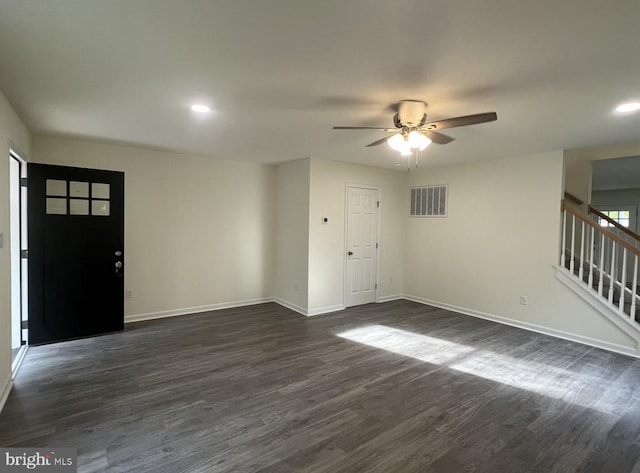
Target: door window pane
100	207
56	206
79	189
78	207
99	191
56	187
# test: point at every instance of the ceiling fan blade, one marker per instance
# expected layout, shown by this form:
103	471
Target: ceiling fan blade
438	138
379	142
461	121
364	128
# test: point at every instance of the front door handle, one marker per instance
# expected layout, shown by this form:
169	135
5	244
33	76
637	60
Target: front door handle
350	253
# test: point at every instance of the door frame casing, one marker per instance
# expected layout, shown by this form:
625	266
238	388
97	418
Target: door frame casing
345	245
15	153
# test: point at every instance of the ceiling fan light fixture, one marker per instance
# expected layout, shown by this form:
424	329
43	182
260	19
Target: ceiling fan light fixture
200	108
398	143
628	107
418	140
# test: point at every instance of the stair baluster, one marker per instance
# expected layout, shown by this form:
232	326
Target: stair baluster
581	270
612	268
601	279
564	239
591	245
634	289
623	281
572	262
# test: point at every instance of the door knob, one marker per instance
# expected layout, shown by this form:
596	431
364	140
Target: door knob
350	253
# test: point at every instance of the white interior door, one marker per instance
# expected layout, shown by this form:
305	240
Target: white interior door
362	242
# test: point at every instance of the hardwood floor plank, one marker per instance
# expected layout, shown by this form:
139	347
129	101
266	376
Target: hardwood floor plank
393	387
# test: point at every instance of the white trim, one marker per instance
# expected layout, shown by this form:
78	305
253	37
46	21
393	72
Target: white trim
614	347
325	310
17	363
193	310
5	393
393	297
17	152
600	304
291	306
309	312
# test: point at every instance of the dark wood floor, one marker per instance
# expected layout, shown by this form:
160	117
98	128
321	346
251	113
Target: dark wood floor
395	387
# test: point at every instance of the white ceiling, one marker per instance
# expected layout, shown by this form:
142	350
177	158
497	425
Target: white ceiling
280	73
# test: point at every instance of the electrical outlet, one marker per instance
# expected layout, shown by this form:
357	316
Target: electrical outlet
128	294
523	300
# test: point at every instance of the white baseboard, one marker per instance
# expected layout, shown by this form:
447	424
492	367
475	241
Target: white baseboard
625	350
5	392
193	310
17	363
309	312
292	306
325	310
614	347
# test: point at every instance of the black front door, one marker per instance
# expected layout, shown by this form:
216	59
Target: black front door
76	252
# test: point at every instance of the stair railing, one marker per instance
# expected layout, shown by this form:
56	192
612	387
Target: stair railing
600	259
630	236
620	230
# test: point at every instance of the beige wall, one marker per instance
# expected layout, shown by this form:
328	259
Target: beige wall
578	168
199	232
292	234
500	241
203	233
616	196
14	134
327	251
577	178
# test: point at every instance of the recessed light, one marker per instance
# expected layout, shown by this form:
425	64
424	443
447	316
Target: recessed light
628	107
200	108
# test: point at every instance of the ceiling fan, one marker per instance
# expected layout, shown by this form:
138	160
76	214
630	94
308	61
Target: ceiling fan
412	132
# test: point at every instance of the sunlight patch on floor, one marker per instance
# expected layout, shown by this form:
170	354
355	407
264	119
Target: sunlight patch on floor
401	342
521	373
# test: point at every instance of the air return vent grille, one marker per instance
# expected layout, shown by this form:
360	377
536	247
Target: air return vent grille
430	201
